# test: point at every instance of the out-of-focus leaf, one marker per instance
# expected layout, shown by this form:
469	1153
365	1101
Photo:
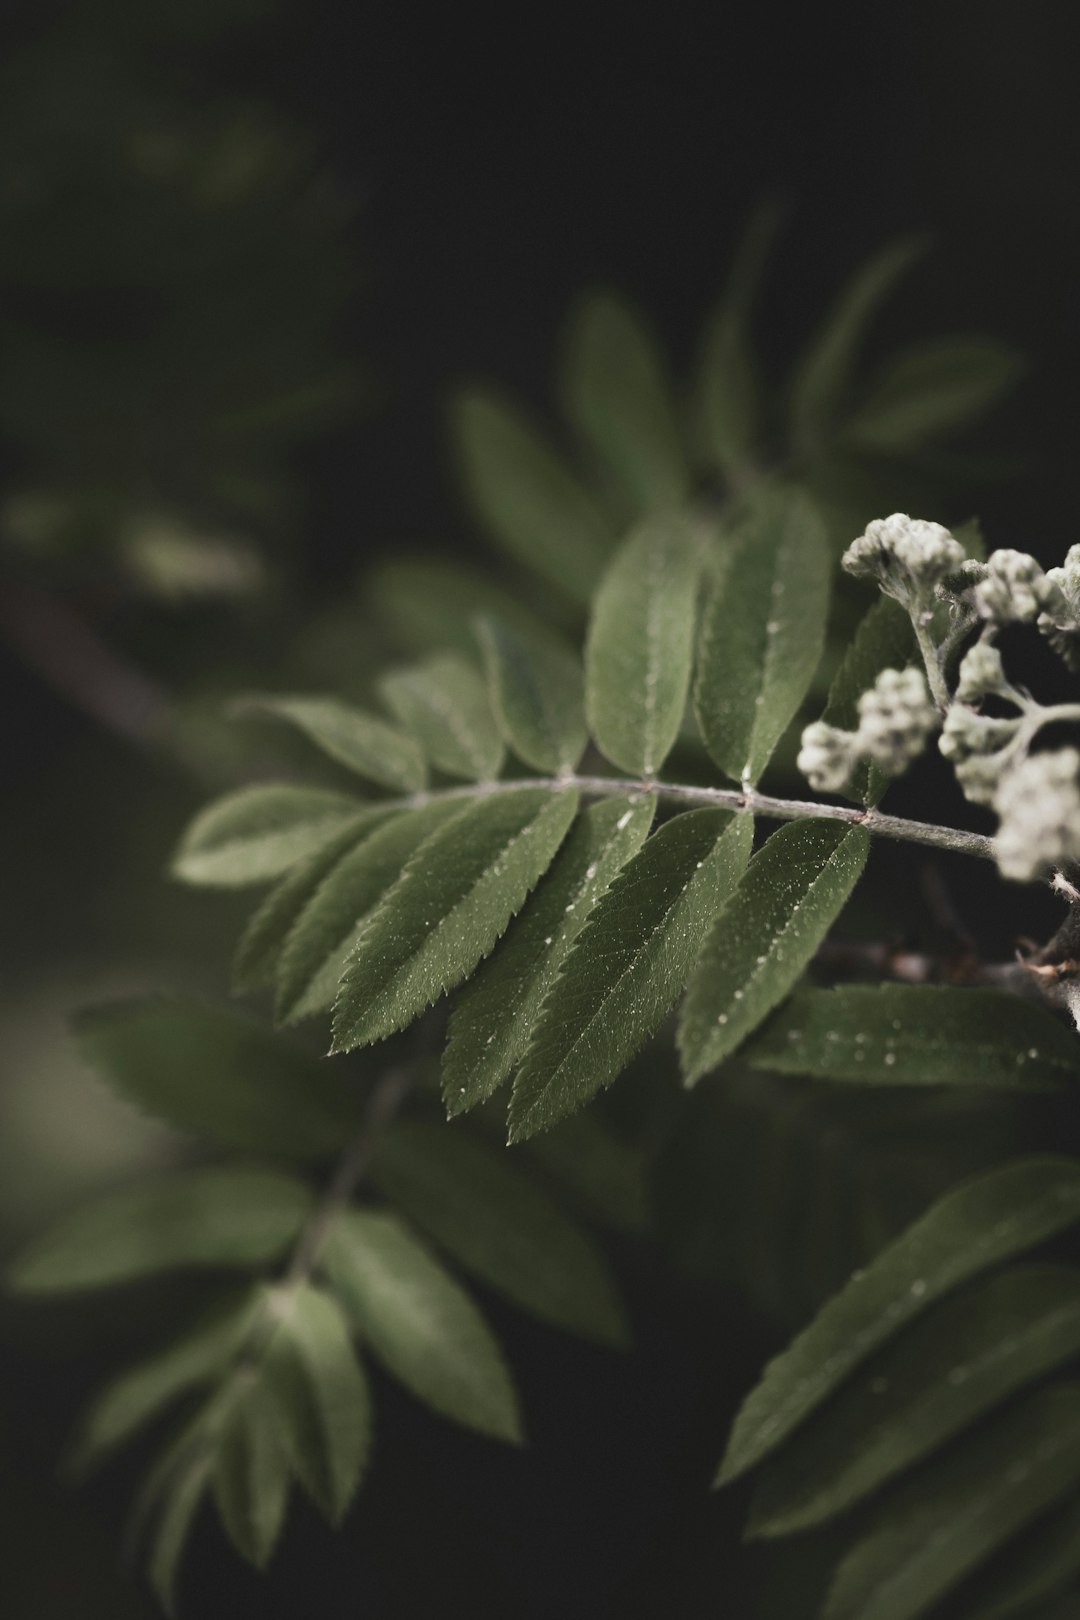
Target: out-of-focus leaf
916	1035
444	703
793	891
191	1218
640	644
220	1076
537	692
884	640
1019	1579
930	391
361	742
420	1323
480	1205
528	500
251	1475
762	633
447	910
491	1025
983	1221
603	1175
257	833
183	1498
628	965
426	603
616	392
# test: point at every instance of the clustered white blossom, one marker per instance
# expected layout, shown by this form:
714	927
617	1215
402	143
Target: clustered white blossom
1038	803
895	718
1060	619
908	557
1012	590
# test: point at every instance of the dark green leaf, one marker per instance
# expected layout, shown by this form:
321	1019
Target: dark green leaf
190	1218
445	704
793	891
529	502
1023	1575
942	1373
480	1205
538	696
930	391
823	377
617	394
139	1395
329	926
628	965
943	1528
420	1323
257	833
762	633
604	1176
361	742
493	1020
220	1076
640	644
255	966
985	1220
919	1035
183	1499
426	603
320	1395
884	640
251	1475
447	910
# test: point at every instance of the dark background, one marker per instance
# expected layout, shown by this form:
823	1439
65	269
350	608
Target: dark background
500	165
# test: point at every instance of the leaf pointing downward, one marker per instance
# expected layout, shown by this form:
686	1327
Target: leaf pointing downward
450	905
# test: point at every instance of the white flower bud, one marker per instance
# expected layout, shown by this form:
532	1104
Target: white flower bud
1013	589
895	718
1060	620
973	743
981	673
1038	802
827	756
907	556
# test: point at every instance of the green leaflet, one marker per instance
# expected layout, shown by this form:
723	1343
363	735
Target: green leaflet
448	908
444	703
251	1475
793	891
762	632
1021	1576
319	1394
823	377
991	1485
257	833
487	1212
425	602
628	965
183	1497
361	742
928	392
420	1323
946	1370
329	926
914	1035
730	406
495	1014
137	1396
616	392
538	696
529	502
189	1218
220	1076
884	640
255	964
985	1220
640	644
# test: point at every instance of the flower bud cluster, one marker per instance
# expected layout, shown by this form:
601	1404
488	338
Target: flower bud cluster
973	743
1038	803
908	557
1013	589
1060	619
895	718
981	674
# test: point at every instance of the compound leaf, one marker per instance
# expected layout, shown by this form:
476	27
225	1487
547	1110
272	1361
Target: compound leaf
218	1217
628	965
448	908
915	1035
444	703
497	1223
793	891
420	1323
762	633
495	1014
985	1220
257	833
640	644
